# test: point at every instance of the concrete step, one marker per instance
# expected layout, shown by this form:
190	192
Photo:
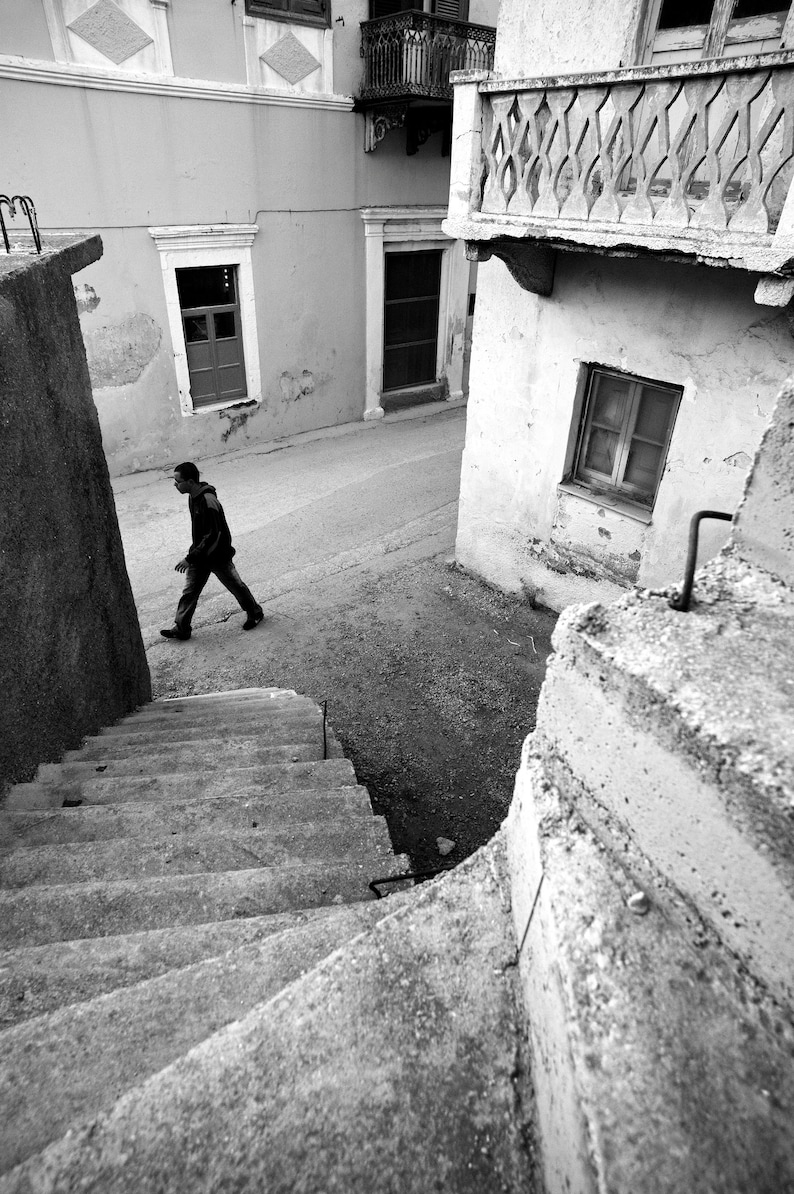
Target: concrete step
676	730
299	727
212	706
393	1065
61	1069
201	757
218	849
37	915
39	979
98	789
155	819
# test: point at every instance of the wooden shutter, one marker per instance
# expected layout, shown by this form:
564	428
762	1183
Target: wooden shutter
454	10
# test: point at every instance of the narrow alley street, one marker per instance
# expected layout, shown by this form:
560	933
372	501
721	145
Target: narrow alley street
346	539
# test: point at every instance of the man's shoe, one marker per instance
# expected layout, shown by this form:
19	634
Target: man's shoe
175	632
253	619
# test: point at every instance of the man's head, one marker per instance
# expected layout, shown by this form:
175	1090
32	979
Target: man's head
186	476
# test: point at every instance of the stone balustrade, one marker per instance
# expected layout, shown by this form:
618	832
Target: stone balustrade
694	158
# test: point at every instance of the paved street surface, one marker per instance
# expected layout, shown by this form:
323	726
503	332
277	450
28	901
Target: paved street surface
303	515
431	677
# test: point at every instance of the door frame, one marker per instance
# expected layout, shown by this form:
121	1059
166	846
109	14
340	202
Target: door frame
186	246
403	230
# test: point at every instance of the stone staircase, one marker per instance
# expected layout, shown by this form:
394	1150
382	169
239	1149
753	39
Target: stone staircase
198	991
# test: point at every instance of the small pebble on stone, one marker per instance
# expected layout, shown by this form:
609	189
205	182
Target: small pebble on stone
445	846
639	903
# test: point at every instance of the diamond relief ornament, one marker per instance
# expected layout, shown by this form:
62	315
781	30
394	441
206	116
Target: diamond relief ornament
290	59
109	30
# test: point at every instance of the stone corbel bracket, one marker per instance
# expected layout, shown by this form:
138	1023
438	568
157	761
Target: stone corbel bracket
530	264
380	120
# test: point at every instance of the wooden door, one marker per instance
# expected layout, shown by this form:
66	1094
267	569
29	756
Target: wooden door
213	333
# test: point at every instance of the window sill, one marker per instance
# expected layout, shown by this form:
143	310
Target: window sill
214	407
609	501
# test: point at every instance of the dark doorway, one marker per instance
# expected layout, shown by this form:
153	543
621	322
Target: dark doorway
410	319
213	334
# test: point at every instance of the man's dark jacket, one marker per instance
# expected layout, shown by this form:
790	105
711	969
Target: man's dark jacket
212	540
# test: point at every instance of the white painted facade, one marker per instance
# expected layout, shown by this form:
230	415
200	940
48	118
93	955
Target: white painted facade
681	308
190	133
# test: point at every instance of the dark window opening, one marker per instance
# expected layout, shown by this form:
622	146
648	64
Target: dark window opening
410	318
676	14
298	12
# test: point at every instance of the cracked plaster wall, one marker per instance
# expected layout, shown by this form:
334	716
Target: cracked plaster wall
693	327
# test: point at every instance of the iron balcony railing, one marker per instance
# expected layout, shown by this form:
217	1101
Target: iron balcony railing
412	54
701	146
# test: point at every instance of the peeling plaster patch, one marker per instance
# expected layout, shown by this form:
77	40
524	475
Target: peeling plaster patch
601	512
85	296
762	414
118	353
515	334
293	388
738	460
236	421
604	533
579	560
707	460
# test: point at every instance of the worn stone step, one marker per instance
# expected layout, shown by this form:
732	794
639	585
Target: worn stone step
36	915
218	705
217	849
273	813
101	789
198	757
299	727
257	713
38	979
393	1065
65	1067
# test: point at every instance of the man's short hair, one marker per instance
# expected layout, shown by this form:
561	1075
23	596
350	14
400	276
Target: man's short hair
188	471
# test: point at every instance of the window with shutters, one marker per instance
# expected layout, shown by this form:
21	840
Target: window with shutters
688	30
624	434
297	12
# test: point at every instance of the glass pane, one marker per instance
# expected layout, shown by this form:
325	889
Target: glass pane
677	13
642	465
196	328
413	275
208	286
653	418
601	449
609	403
224	325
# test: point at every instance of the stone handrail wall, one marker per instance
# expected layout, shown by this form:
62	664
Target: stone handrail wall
413	53
701	146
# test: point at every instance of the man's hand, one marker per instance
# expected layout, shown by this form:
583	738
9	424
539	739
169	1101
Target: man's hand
182	566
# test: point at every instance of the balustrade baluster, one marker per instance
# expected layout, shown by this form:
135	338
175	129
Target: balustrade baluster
585	141
616	150
653	120
753	214
529	135
738	93
554	151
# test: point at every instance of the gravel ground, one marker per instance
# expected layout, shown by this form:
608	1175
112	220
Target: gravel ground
431	679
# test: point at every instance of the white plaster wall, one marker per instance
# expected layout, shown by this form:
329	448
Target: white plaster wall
693	327
549	37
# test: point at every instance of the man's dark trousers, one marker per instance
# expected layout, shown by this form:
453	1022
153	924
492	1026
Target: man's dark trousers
197	577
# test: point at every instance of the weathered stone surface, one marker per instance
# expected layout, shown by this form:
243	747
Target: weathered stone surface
60	543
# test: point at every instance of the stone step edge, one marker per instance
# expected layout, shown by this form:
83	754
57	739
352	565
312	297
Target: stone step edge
53	792
92	966
70	1156
65	911
299	797
154	1026
140	851
600	961
228	693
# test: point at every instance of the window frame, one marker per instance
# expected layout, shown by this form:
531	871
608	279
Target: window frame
289	15
616	484
184	246
714	37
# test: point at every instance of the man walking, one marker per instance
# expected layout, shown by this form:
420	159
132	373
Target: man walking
211	552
